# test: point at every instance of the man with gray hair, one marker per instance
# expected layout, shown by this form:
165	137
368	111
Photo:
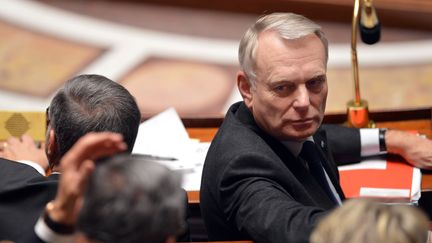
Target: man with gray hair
270	172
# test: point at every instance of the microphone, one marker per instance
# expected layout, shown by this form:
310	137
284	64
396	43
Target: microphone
370	26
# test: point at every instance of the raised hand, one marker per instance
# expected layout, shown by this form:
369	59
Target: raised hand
76	167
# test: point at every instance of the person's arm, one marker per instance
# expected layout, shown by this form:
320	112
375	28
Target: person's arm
61	214
344	143
351	144
415	149
47	230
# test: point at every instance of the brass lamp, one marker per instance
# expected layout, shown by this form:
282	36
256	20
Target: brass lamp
357	109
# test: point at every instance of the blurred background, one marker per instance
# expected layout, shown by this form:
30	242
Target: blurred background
183	53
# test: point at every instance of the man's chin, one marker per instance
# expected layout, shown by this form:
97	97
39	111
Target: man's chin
294	134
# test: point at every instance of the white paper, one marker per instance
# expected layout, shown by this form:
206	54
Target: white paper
164	136
384	192
161	135
368	164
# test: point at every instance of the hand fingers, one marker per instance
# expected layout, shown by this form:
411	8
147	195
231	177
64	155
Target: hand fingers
26	139
424	165
108	147
12	141
85	170
96	145
3	146
93	146
42	146
6	152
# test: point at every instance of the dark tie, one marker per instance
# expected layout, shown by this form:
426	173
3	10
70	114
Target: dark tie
310	153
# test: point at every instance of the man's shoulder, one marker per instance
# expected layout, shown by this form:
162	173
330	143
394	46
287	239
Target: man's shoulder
15	175
9	167
238	135
234	143
237	122
233	135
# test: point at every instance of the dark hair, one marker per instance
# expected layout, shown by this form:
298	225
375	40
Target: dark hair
130	199
91	103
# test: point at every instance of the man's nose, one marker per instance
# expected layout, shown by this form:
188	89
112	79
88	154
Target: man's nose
302	98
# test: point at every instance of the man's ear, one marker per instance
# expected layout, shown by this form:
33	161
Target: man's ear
50	142
245	88
51	147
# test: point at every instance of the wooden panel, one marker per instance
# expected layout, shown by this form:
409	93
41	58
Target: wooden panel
401	13
34	63
191	87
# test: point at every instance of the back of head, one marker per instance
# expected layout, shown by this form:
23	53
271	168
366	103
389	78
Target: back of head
363	220
130	199
289	26
90	103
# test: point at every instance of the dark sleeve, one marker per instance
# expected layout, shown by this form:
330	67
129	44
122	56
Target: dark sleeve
260	207
14	174
52	232
185	236
23	195
31	238
344	143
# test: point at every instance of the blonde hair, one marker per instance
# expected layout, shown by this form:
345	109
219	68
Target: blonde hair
364	220
289	26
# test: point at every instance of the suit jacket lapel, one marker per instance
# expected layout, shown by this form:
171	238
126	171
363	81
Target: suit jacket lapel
297	167
332	171
317	194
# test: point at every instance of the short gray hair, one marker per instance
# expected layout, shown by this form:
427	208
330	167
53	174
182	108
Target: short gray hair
132	199
289	26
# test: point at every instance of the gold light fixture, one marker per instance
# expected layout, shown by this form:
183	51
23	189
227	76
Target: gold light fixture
357	109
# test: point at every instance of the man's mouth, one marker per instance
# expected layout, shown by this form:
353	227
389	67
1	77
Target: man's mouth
302	123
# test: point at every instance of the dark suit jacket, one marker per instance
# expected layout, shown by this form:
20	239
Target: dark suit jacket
23	196
254	188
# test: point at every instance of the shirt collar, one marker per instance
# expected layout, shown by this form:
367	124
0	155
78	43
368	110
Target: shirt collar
295	146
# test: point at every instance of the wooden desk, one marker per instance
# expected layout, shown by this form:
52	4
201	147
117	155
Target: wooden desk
423	126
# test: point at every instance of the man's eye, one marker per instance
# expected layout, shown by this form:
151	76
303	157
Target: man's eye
284	89
316	83
313	83
280	88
